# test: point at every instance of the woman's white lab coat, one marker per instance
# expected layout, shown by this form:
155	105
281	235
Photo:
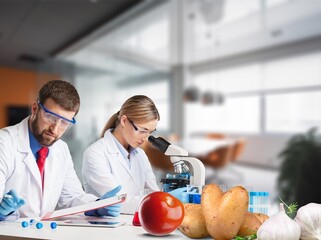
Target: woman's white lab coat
105	168
19	171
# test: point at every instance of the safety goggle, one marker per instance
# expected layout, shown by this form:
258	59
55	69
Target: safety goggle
54	118
141	131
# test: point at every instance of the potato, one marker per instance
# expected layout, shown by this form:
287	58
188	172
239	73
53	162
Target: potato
262	217
224	212
211	195
193	225
250	225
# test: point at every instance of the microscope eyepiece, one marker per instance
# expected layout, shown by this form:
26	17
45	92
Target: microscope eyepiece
160	143
151	139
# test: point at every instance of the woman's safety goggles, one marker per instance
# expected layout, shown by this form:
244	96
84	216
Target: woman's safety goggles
141	131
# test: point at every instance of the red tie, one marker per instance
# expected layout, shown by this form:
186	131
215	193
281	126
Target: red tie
42	154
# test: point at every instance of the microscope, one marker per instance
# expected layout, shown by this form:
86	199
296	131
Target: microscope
189	171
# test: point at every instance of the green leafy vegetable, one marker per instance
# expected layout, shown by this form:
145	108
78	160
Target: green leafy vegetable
290	209
250	237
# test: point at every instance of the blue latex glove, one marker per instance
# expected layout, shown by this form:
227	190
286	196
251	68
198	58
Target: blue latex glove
180	194
111	211
10	203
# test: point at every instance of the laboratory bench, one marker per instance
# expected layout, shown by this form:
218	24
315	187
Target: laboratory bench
14	230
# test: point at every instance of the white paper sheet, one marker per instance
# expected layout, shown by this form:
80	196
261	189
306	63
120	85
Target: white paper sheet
85	207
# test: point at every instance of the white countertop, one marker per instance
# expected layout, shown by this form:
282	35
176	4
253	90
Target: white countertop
14	230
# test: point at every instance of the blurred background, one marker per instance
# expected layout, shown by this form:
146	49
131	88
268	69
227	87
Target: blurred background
235	81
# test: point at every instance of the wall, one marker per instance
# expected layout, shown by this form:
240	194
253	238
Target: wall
19	88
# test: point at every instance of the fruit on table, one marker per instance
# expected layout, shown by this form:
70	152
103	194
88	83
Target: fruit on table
160	213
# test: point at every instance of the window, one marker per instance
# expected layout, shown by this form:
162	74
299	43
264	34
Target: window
236	115
292	112
275	96
300	71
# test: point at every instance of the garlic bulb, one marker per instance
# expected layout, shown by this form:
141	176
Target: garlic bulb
279	227
309	219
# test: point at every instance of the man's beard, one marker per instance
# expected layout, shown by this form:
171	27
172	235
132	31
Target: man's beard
40	136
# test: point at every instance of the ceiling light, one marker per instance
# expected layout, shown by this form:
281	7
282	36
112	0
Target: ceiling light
192	94
212	98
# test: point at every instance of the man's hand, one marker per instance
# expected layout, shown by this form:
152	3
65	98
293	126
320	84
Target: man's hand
10	203
111	211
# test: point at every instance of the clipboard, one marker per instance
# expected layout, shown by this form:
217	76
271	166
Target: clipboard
84	207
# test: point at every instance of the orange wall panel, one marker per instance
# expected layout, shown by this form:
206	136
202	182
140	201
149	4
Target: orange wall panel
19	88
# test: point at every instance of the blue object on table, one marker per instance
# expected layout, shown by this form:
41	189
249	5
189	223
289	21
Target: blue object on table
194	198
24	224
53	225
194	194
39	225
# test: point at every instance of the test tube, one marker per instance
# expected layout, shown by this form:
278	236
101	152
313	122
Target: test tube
259	202
142	194
266	202
251	201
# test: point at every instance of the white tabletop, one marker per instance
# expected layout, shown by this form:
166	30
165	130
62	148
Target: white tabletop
13	230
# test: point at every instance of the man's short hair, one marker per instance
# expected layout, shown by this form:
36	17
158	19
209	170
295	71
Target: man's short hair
62	92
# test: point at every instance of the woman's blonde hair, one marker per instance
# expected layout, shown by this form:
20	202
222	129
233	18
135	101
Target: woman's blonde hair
138	108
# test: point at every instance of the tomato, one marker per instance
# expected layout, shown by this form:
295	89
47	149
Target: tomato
160	213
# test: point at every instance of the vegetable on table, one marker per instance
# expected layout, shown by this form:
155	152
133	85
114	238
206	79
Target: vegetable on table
279	227
160	213
250	225
250	237
309	219
193	225
290	209
262	217
222	215
224	212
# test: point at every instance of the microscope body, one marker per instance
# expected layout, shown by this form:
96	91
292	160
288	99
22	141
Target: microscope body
189	171
197	177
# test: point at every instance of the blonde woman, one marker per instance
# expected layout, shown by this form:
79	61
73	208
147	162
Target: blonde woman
117	159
